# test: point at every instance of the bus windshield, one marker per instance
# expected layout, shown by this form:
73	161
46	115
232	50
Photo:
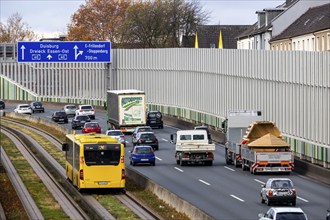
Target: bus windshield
102	154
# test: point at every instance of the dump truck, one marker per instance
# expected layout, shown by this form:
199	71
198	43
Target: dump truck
126	109
264	150
192	146
256	145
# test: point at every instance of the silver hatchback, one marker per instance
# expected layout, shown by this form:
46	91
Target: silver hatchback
70	110
278	190
118	134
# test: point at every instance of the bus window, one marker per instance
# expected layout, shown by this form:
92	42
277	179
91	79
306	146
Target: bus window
102	154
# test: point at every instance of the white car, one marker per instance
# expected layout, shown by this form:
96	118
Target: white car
277	213
86	110
118	134
23	109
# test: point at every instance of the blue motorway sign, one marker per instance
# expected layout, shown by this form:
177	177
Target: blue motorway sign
64	51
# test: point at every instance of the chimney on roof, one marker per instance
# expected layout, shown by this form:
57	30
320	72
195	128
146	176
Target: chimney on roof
289	2
271	14
261	18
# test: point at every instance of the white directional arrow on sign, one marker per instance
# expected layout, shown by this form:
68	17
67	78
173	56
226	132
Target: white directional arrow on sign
75	52
22	48
49	57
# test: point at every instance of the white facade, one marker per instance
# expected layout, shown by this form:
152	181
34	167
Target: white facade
304	43
246	43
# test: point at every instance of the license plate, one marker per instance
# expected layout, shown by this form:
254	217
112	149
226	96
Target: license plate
148	141
144	159
82	121
103	183
61	119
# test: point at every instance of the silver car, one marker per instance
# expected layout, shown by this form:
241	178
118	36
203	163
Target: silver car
118	134
278	190
70	110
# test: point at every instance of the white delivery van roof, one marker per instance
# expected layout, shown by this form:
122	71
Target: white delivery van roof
127	91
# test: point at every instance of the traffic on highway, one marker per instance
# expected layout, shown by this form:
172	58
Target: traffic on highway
222	191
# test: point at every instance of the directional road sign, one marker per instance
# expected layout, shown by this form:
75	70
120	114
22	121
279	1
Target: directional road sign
64	51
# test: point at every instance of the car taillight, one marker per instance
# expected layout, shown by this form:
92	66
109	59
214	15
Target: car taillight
122	159
122	137
209	155
123	175
270	192
81	174
294	192
81	110
140	141
92	110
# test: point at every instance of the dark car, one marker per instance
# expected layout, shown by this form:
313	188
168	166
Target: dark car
146	138
2	104
204	127
91	127
60	116
278	190
140	129
155	119
79	121
37	107
142	155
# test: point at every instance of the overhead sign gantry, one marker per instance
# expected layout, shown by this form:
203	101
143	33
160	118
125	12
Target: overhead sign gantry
63	51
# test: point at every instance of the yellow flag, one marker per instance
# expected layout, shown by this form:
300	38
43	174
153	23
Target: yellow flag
220	40
196	41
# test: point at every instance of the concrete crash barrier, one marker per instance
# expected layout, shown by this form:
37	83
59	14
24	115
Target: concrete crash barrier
217	135
170	198
312	170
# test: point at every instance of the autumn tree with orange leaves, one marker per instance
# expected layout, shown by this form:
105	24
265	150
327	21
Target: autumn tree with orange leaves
136	24
98	20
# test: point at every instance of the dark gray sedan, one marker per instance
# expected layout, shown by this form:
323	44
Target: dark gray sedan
79	121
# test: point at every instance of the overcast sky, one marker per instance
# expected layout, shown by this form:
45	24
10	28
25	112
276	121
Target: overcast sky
50	17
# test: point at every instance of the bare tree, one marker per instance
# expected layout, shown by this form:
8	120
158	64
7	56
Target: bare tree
161	23
16	30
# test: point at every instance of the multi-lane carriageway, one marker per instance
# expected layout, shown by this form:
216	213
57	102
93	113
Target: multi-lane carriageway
223	192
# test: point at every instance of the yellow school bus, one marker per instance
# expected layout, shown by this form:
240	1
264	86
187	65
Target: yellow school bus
94	161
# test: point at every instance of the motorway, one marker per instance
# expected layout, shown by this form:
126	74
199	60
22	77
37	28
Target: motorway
222	191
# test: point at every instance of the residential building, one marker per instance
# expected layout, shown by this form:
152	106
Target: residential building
310	32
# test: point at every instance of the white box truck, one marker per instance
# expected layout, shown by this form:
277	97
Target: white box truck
126	109
192	146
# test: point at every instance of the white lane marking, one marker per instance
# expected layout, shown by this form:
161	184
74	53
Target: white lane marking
237	198
305	200
178	169
164	139
259	181
159	158
229	168
204	182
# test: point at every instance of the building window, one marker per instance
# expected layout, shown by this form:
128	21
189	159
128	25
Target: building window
313	45
328	42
